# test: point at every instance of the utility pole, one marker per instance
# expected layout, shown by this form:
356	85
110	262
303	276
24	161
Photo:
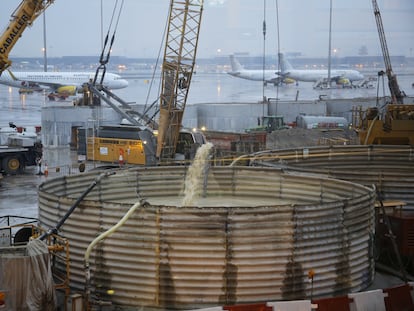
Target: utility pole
44	43
264	56
330	39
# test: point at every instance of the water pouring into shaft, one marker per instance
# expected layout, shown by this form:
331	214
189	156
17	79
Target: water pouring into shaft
195	173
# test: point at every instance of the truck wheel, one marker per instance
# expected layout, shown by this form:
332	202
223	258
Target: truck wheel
12	165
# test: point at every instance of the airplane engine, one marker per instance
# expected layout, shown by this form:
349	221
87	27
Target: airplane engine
288	81
63	92
66	91
343	81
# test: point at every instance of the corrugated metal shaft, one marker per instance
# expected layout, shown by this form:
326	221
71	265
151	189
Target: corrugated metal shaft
389	168
257	241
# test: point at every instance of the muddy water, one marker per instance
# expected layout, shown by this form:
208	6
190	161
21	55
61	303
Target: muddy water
195	174
219	201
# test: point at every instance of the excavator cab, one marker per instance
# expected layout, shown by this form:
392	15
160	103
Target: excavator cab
268	124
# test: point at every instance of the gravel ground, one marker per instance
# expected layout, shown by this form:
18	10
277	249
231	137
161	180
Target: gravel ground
298	137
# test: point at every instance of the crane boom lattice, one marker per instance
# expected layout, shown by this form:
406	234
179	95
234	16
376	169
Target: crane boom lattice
177	69
23	16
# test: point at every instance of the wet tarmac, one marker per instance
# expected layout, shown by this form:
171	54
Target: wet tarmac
25	109
18	193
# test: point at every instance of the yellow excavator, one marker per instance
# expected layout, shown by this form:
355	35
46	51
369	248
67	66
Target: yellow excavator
392	124
145	141
23	16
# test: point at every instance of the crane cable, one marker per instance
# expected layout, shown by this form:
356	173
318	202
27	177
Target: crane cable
104	60
278	51
160	50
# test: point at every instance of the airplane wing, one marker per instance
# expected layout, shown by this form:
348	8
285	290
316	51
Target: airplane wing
53	85
282	78
49	85
275	80
60	90
284	74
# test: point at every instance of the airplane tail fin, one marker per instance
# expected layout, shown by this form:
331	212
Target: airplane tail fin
285	66
12	75
235	65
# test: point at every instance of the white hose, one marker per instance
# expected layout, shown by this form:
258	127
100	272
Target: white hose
370	129
103	236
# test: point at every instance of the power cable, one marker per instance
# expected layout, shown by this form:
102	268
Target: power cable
264	58
155	70
278	50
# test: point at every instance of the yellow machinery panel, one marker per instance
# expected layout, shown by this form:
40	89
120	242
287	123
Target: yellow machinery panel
395	128
115	150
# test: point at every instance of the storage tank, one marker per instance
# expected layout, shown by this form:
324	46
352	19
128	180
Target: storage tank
388	167
250	234
321	122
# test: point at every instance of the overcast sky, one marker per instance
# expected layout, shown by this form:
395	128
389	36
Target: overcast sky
228	26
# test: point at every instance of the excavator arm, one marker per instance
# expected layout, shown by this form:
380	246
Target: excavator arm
392	124
23	16
177	70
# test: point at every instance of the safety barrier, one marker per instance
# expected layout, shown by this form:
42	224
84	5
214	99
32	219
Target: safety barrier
398	298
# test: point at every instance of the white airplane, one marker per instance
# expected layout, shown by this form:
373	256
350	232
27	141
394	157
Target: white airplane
340	76
61	84
270	76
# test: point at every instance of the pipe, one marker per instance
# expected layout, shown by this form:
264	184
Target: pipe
101	237
370	129
70	211
244	156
